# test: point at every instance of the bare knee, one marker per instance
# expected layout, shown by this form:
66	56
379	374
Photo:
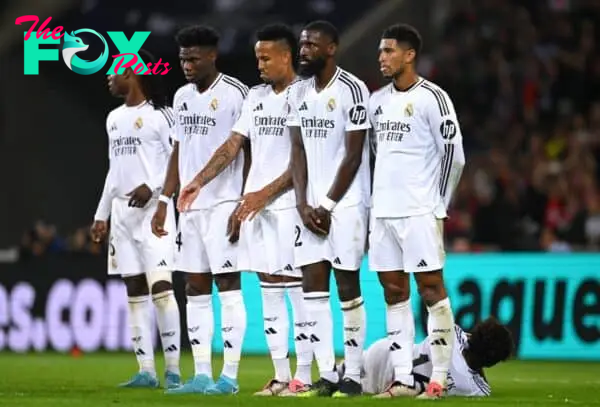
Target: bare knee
198	284
315	277
136	286
431	287
228	282
396	287
348	283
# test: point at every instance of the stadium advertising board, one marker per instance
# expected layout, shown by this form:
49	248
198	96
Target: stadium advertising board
550	302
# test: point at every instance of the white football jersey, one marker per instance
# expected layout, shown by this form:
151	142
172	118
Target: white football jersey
263	122
378	371
324	117
139	146
203	122
419	150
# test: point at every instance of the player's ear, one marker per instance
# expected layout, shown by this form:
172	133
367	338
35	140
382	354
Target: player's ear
409	56
212	54
331	49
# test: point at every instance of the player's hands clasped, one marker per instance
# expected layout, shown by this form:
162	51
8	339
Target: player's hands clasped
98	231
252	203
188	195
314	220
139	197
158	220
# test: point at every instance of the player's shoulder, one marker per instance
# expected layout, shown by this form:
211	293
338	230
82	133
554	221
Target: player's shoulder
184	92
116	112
163	114
381	92
352	86
232	85
430	90
259	91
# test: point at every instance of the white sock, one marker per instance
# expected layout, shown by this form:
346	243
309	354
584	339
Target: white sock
201	325
233	330
304	349
355	324
321	333
141	334
277	327
401	334
167	318
440	330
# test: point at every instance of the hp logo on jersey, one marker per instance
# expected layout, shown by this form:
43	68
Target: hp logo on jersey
358	114
448	129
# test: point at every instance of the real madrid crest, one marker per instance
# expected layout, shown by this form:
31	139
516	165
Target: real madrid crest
408	110
331	105
139	123
214	104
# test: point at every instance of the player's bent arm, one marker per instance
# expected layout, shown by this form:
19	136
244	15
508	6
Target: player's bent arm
171	183
298	166
446	131
347	170
279	185
105	203
221	158
247	162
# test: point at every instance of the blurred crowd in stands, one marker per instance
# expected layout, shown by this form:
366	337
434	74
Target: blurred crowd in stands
525	80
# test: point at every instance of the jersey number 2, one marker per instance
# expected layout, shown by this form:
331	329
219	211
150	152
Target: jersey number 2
298	242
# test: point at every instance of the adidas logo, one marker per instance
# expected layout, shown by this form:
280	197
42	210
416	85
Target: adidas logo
140	352
270	331
183	107
301	337
227	345
194	342
439	342
171	348
227	265
162	263
394	346
314	338
303	107
351	343
337	261
288	267
378	111
422	263
258	108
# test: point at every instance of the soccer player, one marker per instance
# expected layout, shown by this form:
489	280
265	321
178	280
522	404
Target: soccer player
206	109
328	121
418	165
488	344
268	210
139	134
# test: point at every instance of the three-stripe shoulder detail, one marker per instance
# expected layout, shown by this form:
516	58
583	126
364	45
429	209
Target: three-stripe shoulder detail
243	89
168	115
439	98
355	90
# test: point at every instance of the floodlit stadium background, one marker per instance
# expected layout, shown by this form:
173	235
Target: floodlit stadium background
525	223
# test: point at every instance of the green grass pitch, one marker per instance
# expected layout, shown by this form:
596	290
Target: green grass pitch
90	381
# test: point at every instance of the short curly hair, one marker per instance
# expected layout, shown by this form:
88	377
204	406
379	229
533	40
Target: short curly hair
490	342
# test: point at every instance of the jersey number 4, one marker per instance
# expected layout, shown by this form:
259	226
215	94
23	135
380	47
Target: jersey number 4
178	241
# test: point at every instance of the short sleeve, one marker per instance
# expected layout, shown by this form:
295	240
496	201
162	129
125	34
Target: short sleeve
166	127
178	106
244	122
241	95
293	119
355	105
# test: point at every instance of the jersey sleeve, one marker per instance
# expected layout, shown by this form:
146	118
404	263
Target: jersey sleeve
244	122
293	118
355	104
105	204
177	106
166	128
446	132
373	123
238	102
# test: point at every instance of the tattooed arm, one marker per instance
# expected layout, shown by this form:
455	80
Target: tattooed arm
220	159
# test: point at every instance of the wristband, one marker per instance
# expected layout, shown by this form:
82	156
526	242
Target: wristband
328	203
164	198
